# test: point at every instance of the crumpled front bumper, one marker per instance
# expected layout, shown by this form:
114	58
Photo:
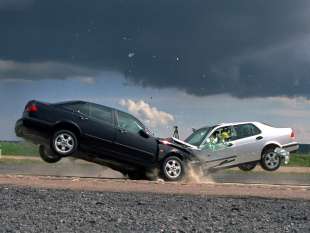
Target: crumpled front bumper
284	155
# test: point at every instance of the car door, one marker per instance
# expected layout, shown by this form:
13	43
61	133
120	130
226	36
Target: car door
100	127
97	125
248	142
217	152
134	144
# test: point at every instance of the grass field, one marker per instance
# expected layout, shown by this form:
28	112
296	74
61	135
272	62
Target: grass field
299	160
28	149
18	148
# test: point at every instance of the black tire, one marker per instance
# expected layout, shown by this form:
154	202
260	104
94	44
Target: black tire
247	166
47	155
173	169
270	160
68	143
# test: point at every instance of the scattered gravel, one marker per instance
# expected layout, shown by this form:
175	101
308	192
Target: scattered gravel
43	210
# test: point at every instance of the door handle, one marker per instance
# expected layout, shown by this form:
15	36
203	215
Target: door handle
259	138
83	118
122	130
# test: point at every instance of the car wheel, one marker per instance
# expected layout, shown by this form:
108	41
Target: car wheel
247	166
64	142
173	169
270	161
47	155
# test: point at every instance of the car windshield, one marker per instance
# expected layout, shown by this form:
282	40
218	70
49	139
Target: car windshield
198	136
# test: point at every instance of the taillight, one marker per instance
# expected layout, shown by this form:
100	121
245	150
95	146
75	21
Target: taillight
32	108
293	134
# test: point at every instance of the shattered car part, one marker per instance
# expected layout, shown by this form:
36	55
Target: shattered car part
284	154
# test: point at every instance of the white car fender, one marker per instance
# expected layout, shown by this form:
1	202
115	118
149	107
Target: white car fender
272	143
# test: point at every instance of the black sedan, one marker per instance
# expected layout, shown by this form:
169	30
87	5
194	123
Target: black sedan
102	135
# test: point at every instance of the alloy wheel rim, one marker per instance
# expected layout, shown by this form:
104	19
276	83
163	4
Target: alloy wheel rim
173	168
64	143
272	160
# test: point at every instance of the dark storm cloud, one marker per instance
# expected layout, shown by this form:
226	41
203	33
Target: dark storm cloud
243	48
14	4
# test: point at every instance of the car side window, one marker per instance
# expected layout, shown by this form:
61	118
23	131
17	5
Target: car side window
78	107
219	138
101	113
255	130
129	123
246	130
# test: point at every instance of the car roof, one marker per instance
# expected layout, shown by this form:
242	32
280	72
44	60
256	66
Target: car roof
230	123
238	123
86	102
69	102
81	101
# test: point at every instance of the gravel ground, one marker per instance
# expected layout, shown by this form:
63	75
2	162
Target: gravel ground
48	210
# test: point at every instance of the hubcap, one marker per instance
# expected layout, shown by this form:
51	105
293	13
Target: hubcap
64	143
173	168
272	160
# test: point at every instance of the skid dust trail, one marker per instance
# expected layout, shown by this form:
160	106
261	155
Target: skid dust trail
74	167
197	176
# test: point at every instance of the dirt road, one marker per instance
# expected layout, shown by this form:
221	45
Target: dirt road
193	188
69	167
69	174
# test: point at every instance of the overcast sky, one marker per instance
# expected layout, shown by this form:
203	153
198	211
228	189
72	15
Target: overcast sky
201	62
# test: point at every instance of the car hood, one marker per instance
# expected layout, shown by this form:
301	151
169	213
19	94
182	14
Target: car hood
177	143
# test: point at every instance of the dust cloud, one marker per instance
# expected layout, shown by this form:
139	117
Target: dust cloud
198	176
72	167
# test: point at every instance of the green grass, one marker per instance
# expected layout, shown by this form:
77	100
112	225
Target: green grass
299	160
18	148
10	161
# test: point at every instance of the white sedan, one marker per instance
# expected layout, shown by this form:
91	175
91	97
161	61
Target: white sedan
242	144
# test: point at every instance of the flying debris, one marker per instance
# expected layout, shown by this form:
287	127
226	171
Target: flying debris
130	55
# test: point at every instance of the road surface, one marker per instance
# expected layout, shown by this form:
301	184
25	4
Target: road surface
69	167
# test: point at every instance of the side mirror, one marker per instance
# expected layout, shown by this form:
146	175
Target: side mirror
144	134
